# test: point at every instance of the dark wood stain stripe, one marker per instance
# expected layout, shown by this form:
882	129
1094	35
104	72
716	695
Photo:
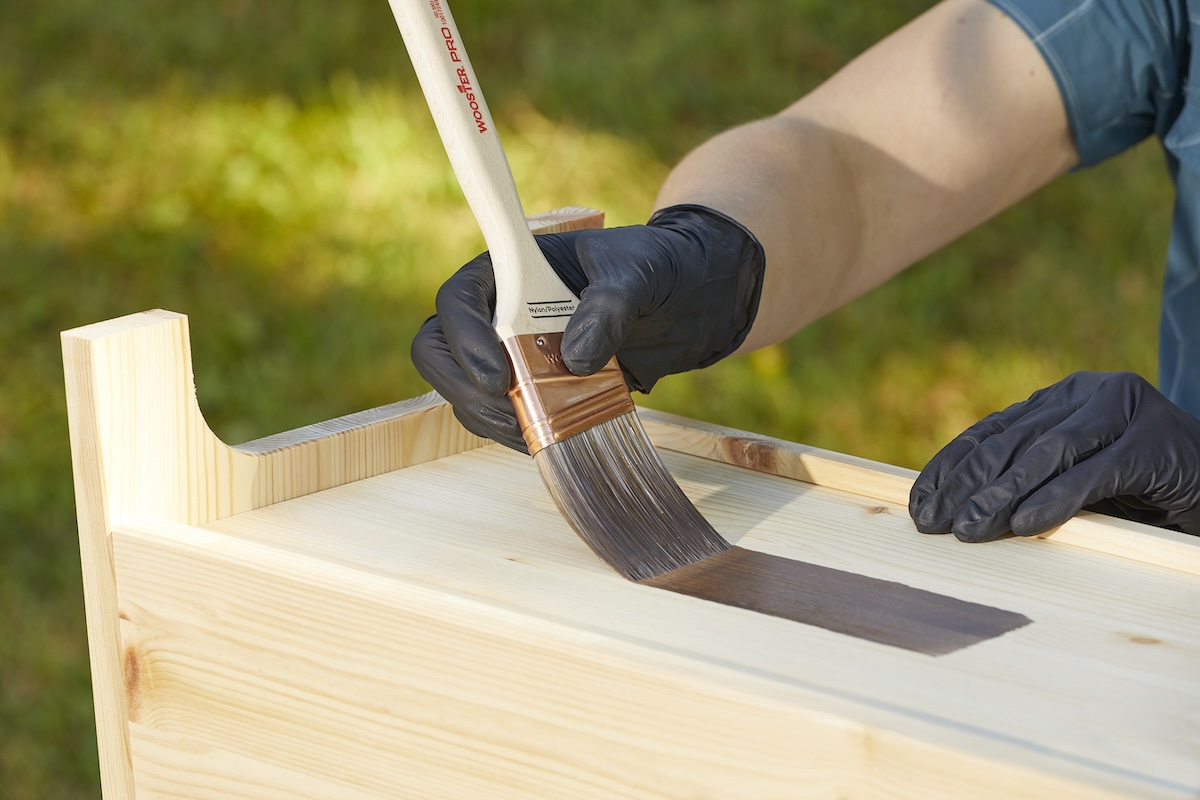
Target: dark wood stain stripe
880	611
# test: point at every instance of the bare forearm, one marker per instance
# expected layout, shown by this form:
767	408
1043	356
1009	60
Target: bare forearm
931	132
784	179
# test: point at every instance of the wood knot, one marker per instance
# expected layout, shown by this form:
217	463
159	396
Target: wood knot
133	683
750	453
1143	639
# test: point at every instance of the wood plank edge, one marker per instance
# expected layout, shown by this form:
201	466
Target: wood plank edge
860	476
99	579
890	484
354	447
430	402
568	218
118	325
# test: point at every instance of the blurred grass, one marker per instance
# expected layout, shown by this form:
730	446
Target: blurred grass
270	170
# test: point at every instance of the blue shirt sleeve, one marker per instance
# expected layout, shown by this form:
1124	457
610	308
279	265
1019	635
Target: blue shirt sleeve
1120	65
1126	69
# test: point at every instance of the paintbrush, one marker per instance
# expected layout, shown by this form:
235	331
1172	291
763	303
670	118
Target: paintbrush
583	432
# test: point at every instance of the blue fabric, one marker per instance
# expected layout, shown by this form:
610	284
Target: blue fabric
1126	71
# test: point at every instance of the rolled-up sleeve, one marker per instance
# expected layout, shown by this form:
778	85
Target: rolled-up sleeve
1120	65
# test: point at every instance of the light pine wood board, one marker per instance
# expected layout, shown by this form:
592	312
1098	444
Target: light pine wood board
381	600
381	685
719	644
140	446
1101	687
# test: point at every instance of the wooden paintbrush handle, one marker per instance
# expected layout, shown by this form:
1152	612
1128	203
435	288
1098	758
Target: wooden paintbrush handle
530	296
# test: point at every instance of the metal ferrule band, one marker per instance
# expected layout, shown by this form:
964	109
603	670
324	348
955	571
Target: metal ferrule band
551	402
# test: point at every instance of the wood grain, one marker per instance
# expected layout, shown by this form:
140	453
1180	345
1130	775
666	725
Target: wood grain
446	692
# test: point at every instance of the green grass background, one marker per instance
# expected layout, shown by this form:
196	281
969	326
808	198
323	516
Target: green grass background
270	170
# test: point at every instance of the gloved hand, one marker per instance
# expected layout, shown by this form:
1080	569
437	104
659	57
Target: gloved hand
675	294
1109	442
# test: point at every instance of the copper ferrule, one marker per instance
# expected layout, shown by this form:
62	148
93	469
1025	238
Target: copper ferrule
551	402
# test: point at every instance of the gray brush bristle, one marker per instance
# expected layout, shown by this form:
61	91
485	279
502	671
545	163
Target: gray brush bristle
611	486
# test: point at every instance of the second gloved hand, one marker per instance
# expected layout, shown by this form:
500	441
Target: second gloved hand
1105	441
673	295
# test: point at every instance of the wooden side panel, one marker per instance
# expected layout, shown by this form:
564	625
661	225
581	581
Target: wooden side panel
147	438
140	447
351	448
248	673
1100	686
144	448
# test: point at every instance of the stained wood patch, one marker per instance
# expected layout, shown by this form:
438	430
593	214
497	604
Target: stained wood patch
887	612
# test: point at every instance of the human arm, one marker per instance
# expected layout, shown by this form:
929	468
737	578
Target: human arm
948	121
937	128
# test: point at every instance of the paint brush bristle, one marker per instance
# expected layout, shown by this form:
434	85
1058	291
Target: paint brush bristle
613	488
599	465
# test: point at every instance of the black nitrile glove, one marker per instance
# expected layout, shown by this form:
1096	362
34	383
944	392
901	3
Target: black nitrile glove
675	294
1108	442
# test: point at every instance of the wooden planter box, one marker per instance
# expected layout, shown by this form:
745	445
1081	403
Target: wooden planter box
386	606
